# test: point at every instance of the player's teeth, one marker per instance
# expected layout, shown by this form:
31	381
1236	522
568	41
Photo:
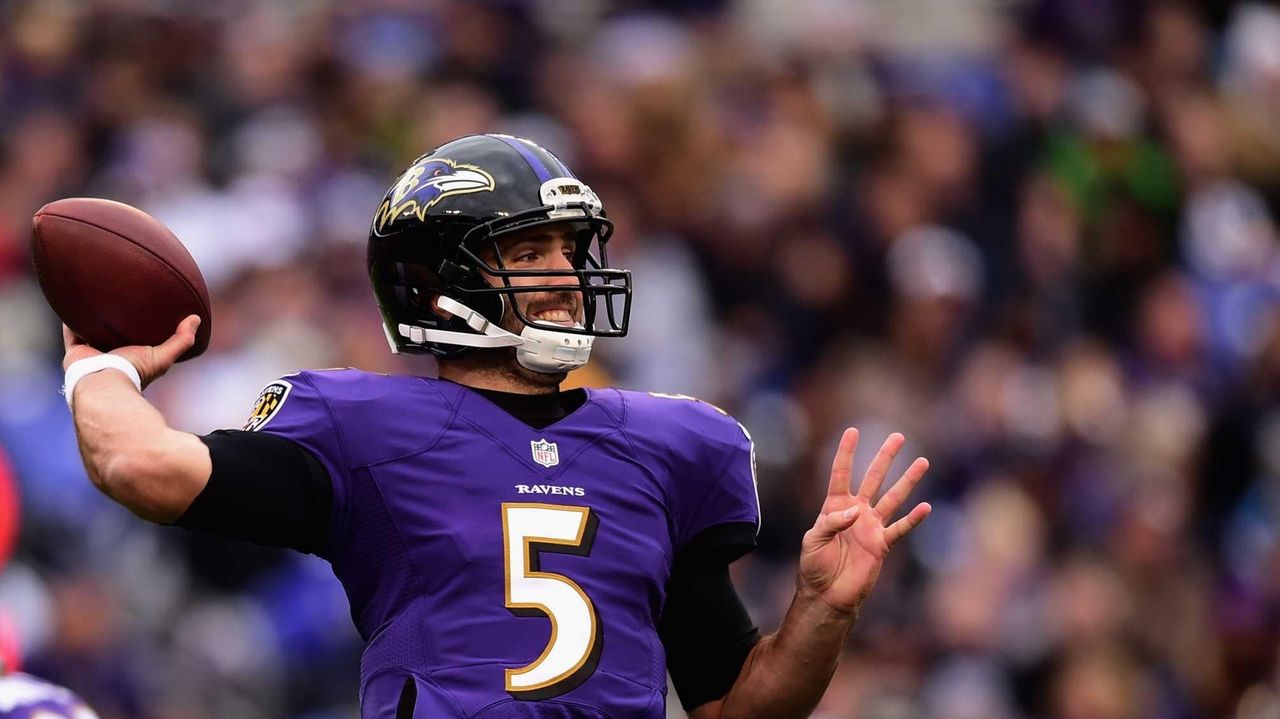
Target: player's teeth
555	316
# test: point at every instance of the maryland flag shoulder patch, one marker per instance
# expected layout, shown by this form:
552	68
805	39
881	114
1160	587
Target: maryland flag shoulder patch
269	402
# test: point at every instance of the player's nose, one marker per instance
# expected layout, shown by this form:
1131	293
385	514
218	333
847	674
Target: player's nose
561	263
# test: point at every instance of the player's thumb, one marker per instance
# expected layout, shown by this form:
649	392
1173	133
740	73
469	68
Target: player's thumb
177	344
829	525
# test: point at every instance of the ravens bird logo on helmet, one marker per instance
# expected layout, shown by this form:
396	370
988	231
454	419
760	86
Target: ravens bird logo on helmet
426	183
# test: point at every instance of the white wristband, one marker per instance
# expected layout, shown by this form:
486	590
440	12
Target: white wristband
87	366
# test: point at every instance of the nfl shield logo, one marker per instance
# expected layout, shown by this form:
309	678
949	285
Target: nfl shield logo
545	453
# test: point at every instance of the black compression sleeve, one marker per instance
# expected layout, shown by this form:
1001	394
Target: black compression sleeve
264	489
705	629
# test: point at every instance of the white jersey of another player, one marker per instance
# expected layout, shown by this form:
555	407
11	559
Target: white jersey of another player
23	696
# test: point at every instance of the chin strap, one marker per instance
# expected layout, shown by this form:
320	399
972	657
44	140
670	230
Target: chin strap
537	349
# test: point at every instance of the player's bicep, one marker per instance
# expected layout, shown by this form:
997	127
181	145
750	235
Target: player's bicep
265	489
159	479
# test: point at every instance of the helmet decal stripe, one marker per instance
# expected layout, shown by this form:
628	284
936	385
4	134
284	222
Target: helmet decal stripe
539	169
551	160
567	171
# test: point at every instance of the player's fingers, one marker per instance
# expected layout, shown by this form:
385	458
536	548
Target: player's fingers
831	524
880	466
842	465
902	527
898	493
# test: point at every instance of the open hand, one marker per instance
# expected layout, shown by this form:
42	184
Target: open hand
841	555
151	362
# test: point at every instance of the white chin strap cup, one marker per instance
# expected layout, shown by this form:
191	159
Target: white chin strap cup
537	349
551	351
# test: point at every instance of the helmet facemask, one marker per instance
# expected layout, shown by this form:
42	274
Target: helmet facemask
596	285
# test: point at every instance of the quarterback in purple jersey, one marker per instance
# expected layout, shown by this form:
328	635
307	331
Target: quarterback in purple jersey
509	549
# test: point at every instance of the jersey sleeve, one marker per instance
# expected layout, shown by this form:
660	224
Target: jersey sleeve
706	631
263	489
716	502
294	408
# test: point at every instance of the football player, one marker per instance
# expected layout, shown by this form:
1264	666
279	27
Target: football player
509	550
23	696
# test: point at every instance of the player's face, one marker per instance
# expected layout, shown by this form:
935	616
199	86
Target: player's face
549	247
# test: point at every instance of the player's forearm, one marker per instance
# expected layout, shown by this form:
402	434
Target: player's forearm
788	671
131	453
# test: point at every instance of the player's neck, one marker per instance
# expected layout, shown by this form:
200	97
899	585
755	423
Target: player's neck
501	377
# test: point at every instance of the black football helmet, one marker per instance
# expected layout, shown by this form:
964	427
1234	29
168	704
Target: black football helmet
436	233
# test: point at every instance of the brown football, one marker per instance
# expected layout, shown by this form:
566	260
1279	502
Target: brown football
115	275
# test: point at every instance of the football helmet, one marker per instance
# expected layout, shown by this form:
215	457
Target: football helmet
436	234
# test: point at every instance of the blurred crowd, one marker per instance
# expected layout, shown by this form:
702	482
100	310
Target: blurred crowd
1035	236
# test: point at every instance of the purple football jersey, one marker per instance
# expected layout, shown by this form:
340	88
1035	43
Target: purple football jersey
499	571
23	696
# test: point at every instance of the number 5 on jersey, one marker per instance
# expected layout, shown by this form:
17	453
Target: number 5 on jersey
528	529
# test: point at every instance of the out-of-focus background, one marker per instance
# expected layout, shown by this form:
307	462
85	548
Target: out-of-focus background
1036	236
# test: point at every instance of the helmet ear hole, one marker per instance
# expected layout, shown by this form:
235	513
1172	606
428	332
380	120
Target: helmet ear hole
418	299
437	309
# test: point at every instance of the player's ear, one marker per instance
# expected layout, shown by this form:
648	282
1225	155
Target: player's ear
435	307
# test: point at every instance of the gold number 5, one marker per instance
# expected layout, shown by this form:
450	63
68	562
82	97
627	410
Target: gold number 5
528	529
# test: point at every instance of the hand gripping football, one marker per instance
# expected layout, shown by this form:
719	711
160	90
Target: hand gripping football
115	275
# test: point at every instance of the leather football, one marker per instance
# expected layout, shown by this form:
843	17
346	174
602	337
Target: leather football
117	276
